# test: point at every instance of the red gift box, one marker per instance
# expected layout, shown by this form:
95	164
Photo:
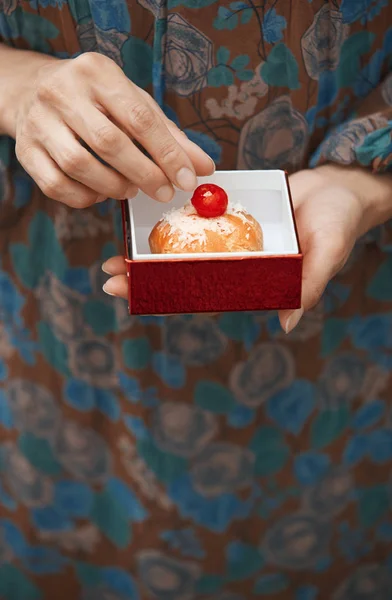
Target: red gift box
162	284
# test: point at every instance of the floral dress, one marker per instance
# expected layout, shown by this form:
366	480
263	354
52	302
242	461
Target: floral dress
199	457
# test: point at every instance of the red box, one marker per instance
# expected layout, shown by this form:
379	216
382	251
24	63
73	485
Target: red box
164	284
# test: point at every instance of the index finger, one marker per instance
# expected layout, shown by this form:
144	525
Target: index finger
123	101
202	162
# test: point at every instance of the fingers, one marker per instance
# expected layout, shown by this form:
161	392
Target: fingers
117	286
329	218
289	319
90	99
79	164
115	266
324	257
52	181
139	115
129	108
203	164
117	150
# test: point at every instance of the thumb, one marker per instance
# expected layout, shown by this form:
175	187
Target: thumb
324	258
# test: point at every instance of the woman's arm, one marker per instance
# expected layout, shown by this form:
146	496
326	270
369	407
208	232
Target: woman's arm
18	69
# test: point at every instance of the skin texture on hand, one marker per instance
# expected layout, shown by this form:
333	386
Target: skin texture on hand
18	70
334	206
71	106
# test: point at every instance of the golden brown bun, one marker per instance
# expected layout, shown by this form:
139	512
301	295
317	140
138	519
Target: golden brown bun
233	232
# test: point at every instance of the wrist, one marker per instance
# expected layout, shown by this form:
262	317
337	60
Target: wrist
17	78
373	191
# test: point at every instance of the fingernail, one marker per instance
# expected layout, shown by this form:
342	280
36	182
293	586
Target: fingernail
107	291
164	194
186	179
105	269
293	320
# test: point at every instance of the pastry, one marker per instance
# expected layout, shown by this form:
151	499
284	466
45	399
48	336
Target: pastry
209	223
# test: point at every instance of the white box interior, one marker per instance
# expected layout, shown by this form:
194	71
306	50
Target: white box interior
264	194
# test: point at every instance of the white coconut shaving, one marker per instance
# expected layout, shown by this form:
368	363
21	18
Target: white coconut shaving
189	227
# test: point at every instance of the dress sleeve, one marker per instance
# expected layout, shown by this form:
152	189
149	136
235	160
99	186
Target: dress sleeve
366	138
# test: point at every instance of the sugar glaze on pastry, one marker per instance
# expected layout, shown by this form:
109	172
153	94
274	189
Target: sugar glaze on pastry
183	231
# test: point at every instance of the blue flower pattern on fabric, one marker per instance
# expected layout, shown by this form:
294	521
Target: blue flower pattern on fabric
273	25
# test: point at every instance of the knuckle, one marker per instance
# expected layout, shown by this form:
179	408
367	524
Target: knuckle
106	139
146	177
51	185
48	90
88	62
142	119
73	160
170	152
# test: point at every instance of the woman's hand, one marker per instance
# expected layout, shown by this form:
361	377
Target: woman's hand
334	206
73	107
330	218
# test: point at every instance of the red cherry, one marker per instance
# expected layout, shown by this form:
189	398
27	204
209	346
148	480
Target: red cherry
210	200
